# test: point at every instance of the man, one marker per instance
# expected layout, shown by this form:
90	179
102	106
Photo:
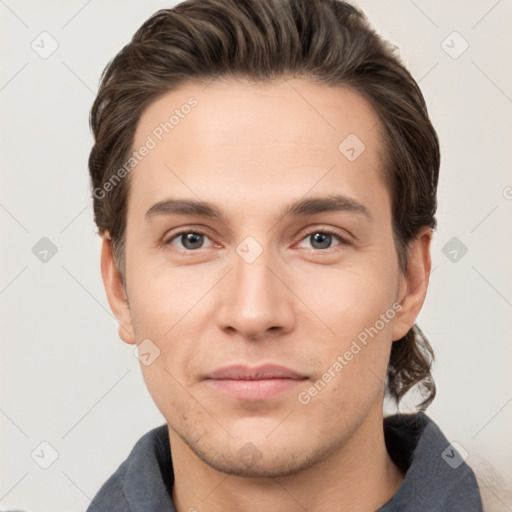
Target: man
264	179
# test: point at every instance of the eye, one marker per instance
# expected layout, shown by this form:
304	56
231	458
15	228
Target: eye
193	240
321	239
190	240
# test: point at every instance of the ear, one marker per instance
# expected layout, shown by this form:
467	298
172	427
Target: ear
413	286
115	292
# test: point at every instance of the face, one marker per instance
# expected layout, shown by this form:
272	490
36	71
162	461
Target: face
261	267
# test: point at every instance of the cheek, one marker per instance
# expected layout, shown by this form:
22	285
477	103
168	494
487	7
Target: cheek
163	310
358	306
163	298
352	298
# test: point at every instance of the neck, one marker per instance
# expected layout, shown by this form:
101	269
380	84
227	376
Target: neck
358	476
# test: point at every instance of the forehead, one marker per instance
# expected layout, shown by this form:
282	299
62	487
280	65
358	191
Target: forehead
254	140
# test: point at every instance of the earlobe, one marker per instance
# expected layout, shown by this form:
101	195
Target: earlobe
415	283
115	292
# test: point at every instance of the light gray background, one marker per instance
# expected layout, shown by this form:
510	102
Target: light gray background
66	377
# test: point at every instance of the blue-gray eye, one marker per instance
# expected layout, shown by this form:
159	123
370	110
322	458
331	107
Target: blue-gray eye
189	240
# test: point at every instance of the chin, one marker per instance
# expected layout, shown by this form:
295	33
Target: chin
262	458
257	464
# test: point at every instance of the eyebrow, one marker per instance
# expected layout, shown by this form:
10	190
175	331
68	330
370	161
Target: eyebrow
300	208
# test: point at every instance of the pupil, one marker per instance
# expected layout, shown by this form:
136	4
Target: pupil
191	240
323	238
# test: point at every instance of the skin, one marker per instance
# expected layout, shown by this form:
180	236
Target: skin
250	150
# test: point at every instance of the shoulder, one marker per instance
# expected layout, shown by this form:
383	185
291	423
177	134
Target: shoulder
139	473
495	491
110	495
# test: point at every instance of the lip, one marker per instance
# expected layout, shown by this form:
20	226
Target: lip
266	371
258	383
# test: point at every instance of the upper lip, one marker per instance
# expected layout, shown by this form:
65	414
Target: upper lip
242	372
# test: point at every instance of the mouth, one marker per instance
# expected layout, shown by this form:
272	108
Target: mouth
259	383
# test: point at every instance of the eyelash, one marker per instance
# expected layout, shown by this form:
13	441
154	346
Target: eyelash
326	231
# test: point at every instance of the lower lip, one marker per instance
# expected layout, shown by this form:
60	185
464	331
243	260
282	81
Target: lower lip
255	389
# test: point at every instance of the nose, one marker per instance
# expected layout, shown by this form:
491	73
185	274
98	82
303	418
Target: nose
256	302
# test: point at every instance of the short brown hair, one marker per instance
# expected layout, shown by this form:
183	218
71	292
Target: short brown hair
327	41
